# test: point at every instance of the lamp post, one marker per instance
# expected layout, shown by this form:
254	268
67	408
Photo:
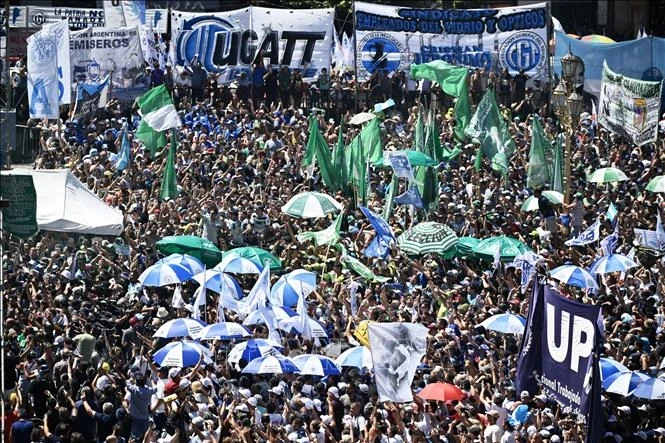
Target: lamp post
567	103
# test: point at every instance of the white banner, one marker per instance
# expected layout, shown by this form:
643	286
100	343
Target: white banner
392	38
396	352
43	75
61	33
228	42
97	52
113	14
629	107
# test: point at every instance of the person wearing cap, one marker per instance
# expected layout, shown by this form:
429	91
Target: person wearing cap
336	411
493	432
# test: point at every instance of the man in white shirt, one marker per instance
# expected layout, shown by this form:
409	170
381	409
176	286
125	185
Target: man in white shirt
492	432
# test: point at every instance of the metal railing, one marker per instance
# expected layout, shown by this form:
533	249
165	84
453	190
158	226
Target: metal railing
27	145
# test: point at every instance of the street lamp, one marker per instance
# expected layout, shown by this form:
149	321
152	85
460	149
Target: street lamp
568	103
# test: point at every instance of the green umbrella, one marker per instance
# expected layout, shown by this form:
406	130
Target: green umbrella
257	255
416	158
607	175
531	203
657	184
508	248
465	246
427	237
198	247
311	205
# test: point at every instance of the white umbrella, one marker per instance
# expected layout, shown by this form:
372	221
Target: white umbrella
506	323
311	205
361	118
251	349
238	265
163	274
357	357
293	325
271	364
224	331
192	263
217	281
259	316
315	364
181	354
180	327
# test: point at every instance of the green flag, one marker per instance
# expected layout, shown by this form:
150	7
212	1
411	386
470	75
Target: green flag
317	148
169	179
369	142
390	198
479	159
488	129
359	268
339	164
153	140
425	176
358	172
538	169
419	138
157	109
557	167
329	236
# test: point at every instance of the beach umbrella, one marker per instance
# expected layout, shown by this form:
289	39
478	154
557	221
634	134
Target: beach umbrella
188	261
653	389
361	118
293	325
356	357
427	237
531	203
257	255
609	367
596	38
441	392
607	175
252	349
311	205
624	383
506	323
218	282
507	247
180	327
163	274
464	246
416	158
259	315
291	286
574	276
238	265
315	364
656	184
271	364
198	247
181	354
611	263
224	331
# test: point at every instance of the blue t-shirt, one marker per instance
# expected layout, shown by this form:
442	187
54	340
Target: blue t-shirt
257	76
22	430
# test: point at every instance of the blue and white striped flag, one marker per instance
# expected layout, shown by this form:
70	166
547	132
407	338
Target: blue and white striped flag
611	212
526	263
590	235
609	244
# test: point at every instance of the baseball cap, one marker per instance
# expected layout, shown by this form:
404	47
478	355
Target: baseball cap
184	383
173	372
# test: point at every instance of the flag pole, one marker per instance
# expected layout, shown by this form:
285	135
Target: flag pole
355	54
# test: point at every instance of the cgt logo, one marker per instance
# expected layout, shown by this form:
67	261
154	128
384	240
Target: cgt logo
575	338
523	50
218	44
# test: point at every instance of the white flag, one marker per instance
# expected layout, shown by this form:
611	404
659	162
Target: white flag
177	301
60	32
396	352
590	235
260	293
43	75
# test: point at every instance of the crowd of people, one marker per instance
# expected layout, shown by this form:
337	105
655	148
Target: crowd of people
79	345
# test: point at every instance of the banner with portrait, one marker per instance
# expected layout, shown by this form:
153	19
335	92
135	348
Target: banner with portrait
391	38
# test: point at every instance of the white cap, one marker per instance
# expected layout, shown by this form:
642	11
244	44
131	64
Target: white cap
185	383
334	391
173	372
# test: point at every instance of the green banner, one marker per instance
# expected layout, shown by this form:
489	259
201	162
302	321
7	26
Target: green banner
20	216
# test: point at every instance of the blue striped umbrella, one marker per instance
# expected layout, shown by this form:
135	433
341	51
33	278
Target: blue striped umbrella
612	263
574	276
293	325
224	331
506	323
238	265
190	262
609	367
291	286
271	364
624	383
251	349
357	357
653	389
182	354
162	274
218	281
281	313
180	327
314	364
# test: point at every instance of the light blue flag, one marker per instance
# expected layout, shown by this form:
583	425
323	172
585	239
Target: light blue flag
380	246
410	197
611	212
124	157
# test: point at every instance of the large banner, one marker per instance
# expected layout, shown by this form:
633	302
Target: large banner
20	217
98	52
43	75
229	42
630	107
61	32
392	38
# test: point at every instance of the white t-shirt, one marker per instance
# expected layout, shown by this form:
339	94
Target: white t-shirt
507	437
492	434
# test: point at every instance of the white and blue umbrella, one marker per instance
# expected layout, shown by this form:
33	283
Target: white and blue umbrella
238	265
271	364
192	263
609	367
182	354
506	323
219	282
291	286
624	383
612	263
653	389
162	274
315	364
252	349
225	330
280	313
293	325
180	327
357	357
574	276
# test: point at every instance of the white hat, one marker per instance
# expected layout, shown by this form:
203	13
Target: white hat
252	401
245	392
317	404
625	409
334	391
173	372
542	397
363	388
525	394
162	312
277	390
184	383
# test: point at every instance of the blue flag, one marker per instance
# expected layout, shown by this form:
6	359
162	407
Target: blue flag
380	246
610	243
124	156
611	212
590	235
410	197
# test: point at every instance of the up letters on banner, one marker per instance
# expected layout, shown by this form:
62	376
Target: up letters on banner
391	38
